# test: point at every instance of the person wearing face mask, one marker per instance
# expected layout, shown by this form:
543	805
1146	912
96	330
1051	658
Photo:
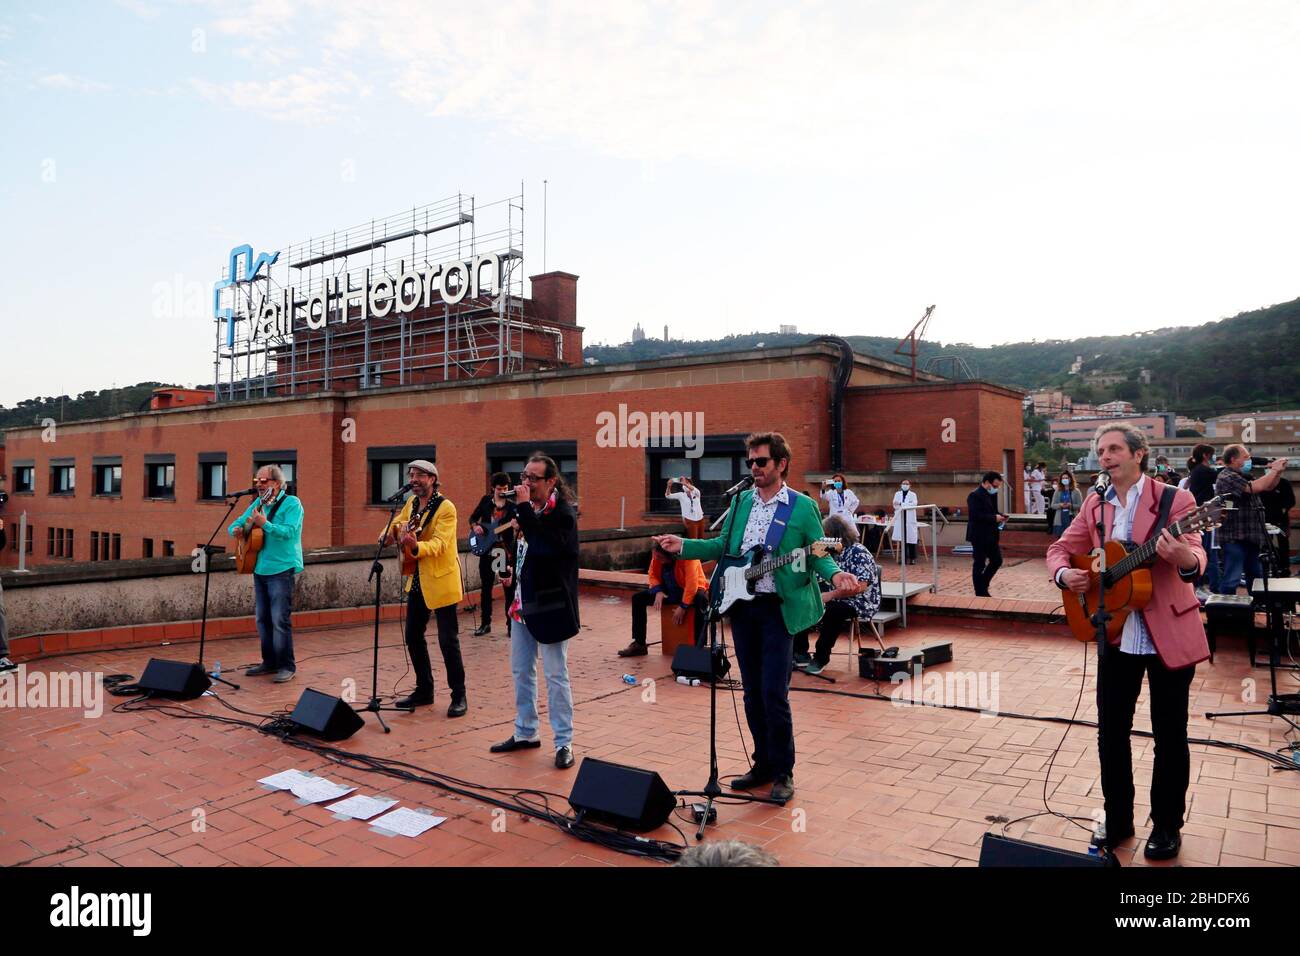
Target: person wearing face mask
982	531
1241	536
839	500
905	521
1066	502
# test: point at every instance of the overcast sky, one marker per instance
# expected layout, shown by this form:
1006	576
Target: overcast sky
1036	169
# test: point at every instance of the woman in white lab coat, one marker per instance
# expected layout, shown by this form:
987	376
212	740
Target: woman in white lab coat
905	496
839	499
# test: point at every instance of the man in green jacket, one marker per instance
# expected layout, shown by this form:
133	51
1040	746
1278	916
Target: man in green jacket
786	602
280	518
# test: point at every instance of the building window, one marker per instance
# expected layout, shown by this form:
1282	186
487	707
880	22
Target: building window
63	478
212	480
511	456
49	542
148	548
169	549
160	476
24	479
108	478
907	459
720	467
69	549
117	546
388	467
94	545
285	459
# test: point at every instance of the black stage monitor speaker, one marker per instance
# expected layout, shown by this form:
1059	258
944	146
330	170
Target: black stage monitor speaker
321	715
174	680
691	661
1005	851
624	797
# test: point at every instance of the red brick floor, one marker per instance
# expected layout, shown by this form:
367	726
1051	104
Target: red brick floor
877	784
1019	578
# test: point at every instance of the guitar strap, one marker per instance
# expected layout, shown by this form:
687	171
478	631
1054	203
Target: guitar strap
430	510
776	530
1166	506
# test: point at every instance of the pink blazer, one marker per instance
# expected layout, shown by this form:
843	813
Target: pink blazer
1173	615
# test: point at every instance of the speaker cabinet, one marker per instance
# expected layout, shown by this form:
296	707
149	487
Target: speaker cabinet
174	680
1005	851
326	717
692	661
625	797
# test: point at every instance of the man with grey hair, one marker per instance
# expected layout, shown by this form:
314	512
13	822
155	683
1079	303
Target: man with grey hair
279	516
726	853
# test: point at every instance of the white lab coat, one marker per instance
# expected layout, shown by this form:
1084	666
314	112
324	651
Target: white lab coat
844	503
901	499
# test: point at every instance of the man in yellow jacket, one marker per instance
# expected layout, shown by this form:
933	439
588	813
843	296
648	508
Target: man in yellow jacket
426	530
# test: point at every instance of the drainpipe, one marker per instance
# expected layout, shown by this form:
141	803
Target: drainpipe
842	373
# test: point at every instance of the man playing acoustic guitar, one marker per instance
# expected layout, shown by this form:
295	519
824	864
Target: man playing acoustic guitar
425	531
278	515
1165	639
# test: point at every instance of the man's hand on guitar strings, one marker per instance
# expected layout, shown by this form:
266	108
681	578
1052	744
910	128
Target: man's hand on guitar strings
1176	552
1075	580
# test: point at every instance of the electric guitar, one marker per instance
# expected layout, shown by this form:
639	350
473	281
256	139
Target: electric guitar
481	544
251	541
1128	574
735	576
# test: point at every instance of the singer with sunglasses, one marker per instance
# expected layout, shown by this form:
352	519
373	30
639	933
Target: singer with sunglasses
280	516
426	531
773	517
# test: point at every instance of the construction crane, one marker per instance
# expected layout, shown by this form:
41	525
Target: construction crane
914	339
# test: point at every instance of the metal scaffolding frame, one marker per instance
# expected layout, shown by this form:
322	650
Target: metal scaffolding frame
479	336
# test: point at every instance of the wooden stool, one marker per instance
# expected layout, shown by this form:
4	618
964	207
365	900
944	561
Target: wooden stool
672	635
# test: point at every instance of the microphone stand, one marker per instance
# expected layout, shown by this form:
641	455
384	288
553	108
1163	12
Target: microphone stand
377	574
207	582
712	790
1101	617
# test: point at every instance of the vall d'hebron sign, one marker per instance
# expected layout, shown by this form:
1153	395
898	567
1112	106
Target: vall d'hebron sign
273	314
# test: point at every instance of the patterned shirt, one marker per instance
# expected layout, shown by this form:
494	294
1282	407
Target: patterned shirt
760	519
1135	639
857	560
515	610
1245	522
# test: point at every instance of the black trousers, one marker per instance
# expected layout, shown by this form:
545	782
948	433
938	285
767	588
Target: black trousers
644	599
417	620
985	561
834	622
488	578
764	652
1117	693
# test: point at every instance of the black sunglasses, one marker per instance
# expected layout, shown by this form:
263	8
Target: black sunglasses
758	462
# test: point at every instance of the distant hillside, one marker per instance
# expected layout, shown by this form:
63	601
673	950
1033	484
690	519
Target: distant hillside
66	408
1250	361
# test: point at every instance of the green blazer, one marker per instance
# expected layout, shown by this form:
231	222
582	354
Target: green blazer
801	600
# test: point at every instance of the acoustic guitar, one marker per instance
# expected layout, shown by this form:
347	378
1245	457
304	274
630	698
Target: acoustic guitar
419	518
1128	575
251	541
734	577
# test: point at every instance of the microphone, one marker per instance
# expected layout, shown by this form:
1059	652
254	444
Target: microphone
739	486
240	494
400	492
1102	482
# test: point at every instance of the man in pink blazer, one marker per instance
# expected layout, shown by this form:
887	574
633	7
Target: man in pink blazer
1165	640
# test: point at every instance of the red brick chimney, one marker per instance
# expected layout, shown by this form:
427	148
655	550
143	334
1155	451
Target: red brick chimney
555	302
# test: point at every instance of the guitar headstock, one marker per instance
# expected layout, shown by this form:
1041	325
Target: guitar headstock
824	546
1207	517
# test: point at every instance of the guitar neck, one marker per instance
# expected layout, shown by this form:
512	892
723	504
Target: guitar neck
771	564
1140	555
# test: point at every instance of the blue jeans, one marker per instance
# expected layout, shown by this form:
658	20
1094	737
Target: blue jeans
1239	556
765	655
1213	572
273	599
559	695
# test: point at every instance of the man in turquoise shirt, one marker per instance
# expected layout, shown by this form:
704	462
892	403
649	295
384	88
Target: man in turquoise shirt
280	518
786	602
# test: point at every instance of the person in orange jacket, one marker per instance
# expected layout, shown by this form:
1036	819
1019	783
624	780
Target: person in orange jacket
677	580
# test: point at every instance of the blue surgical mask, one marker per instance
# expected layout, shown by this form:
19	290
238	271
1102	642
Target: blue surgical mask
839	485
1065	482
1248	464
992	491
906	487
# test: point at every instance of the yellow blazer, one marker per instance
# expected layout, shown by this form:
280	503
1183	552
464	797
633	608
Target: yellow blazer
438	565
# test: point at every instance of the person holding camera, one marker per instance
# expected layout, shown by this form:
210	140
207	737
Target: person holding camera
839	500
1242	534
688	496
